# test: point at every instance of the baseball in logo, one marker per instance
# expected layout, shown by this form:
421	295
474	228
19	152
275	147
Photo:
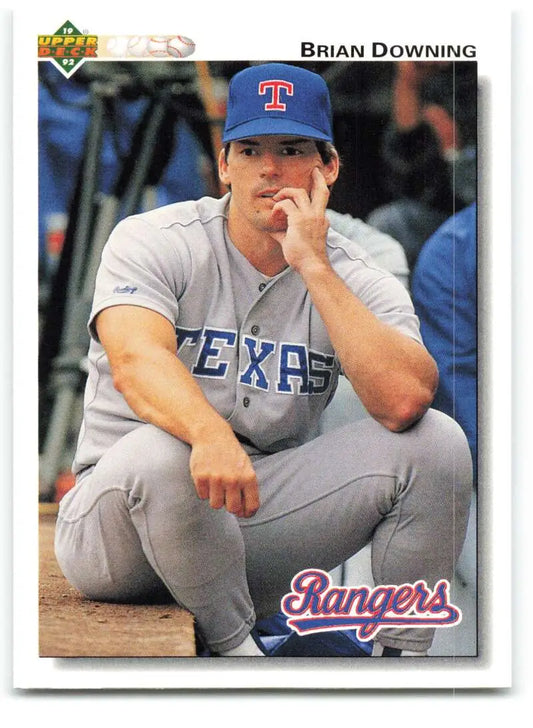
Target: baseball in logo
276	87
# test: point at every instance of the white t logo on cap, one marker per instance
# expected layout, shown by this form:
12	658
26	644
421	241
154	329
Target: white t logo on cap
276	86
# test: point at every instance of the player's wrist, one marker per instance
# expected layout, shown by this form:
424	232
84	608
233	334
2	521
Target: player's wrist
311	267
209	429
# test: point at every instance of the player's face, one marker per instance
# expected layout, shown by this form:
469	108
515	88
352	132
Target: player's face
259	167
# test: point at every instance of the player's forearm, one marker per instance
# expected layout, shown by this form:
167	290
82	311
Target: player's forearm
393	375
160	390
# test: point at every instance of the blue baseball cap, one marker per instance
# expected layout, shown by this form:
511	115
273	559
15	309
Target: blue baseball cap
275	98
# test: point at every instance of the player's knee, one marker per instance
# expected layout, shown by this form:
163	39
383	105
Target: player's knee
146	459
165	459
445	450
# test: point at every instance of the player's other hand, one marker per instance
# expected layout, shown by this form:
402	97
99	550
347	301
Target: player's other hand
223	474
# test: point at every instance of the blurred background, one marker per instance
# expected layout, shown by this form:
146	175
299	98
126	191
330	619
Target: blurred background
117	138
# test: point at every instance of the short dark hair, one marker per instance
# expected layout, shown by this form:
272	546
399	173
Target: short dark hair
326	150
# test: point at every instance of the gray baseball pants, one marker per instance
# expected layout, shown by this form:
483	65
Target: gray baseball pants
134	526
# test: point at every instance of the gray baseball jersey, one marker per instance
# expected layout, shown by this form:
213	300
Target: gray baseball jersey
256	345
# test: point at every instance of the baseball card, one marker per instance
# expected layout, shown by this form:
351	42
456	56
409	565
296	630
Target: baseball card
262	345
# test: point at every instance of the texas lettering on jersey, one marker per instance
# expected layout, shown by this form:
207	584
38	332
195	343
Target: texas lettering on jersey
282	367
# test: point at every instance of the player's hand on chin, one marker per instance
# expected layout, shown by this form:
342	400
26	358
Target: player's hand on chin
304	240
223	474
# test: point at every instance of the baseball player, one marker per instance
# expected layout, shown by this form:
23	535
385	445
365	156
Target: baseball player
219	329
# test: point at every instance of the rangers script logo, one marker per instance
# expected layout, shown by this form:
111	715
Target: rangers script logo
314	605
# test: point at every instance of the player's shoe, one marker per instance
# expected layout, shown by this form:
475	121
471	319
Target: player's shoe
391	652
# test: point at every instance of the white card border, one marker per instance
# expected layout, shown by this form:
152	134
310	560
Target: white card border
31	672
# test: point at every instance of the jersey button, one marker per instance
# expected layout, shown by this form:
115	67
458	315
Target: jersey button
262	286
255	330
246	401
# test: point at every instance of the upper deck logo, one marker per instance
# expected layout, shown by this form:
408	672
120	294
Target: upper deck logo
67	48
